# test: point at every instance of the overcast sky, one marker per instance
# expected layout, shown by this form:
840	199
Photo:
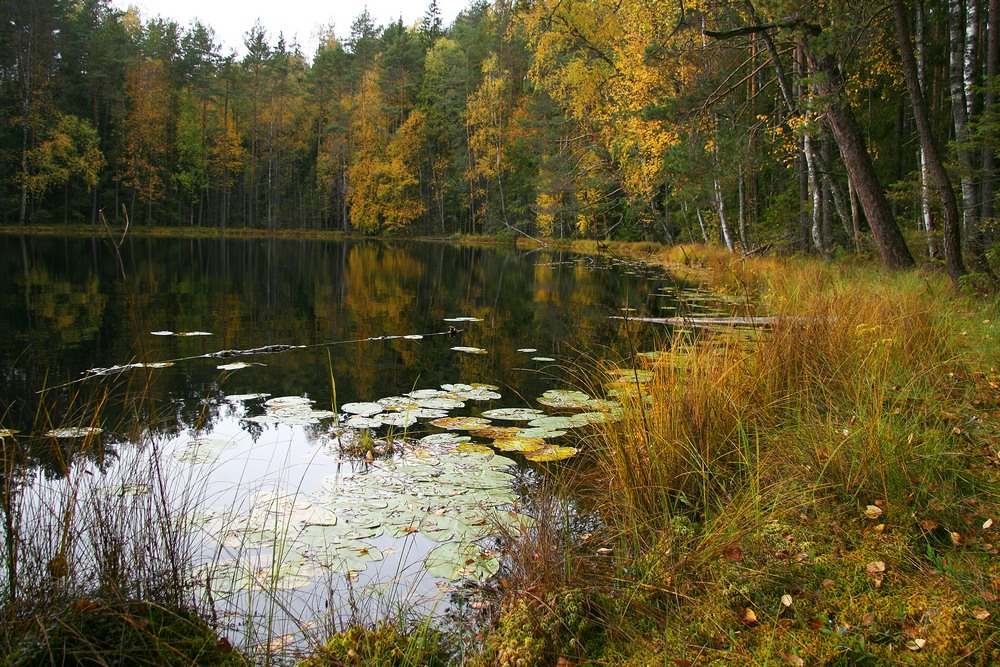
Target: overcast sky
297	19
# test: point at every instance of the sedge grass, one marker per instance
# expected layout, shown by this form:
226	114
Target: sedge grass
823	491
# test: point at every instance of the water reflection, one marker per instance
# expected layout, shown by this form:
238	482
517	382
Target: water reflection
349	314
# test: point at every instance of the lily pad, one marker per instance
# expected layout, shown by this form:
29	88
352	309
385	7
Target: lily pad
73	432
236	365
437	439
241	398
543	359
472	392
527	350
496	432
565	399
193	333
461	423
288	401
363	409
513	414
461	560
161	333
518	444
203	450
413	337
462	319
469	350
550	453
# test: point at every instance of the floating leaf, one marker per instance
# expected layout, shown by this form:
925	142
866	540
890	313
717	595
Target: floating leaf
544	359
126	490
444	439
469	350
441	403
73	432
549	453
565	399
542	432
527	350
237	365
288	401
518	444
161	333
203	450
473	448
462	319
413	337
398	419
194	333
240	398
156	364
461	423
496	432
461	560
473	392
513	414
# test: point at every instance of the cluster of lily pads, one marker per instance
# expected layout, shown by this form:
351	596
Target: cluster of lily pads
450	494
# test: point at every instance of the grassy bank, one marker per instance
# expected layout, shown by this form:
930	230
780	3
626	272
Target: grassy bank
825	492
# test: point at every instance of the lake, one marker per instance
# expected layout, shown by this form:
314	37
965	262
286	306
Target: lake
344	424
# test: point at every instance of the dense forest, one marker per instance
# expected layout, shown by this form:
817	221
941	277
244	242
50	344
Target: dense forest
824	126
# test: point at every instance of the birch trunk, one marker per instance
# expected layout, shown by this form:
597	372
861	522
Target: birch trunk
952	235
927	220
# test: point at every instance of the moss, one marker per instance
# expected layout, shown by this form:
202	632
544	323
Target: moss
126	633
383	646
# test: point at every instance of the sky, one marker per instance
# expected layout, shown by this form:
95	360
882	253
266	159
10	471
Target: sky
298	19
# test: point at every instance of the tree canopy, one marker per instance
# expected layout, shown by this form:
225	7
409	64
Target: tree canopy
837	127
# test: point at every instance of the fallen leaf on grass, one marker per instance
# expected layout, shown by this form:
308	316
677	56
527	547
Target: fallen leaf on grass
916	644
749	617
980	614
792	659
786	600
873	511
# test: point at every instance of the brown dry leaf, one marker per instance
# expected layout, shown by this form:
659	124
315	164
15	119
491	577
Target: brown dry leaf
792	659
733	554
916	644
929	525
749	617
980	614
956	539
867	619
875	567
815	623
873	511
604	551
786	600
828	582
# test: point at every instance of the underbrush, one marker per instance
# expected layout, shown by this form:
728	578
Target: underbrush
823	492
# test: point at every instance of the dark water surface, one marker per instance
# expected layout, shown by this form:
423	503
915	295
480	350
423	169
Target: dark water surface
265	490
72	304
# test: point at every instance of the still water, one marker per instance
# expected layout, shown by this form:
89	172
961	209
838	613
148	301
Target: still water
269	369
